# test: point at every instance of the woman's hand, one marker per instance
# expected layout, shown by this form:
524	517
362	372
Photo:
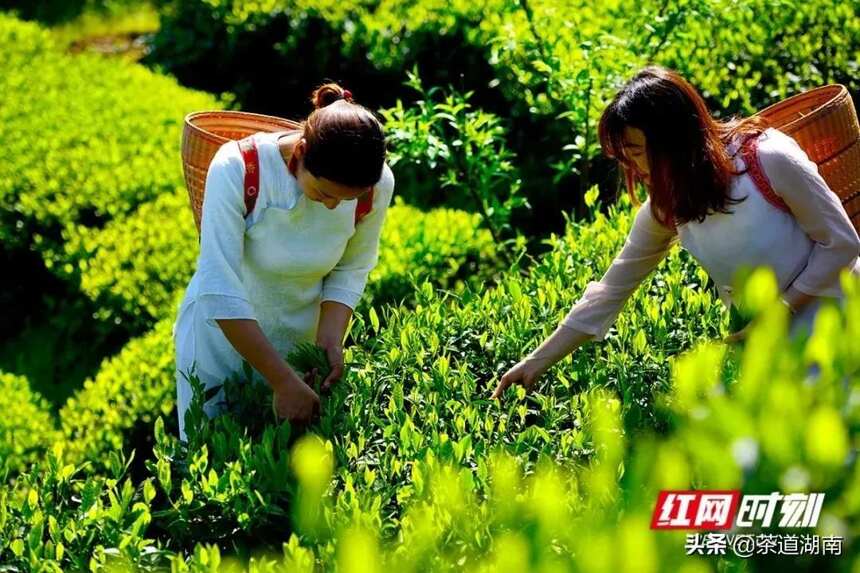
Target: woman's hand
737	336
525	372
334	319
528	370
295	401
334	353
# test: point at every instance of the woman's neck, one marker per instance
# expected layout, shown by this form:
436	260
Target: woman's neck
286	144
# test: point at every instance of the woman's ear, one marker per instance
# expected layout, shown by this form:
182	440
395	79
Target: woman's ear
300	148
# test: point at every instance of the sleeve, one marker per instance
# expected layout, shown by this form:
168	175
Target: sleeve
818	211
221	293
647	244
345	283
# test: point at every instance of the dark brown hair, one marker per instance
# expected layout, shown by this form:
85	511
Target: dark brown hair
345	141
690	166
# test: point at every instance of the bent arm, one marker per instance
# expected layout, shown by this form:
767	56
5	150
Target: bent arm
248	339
819	213
221	293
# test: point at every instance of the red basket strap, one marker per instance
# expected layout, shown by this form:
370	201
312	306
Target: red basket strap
252	172
755	171
364	205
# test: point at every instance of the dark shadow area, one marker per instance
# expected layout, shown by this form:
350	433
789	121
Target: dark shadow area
48	333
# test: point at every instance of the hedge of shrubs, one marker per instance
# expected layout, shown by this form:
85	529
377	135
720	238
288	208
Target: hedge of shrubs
115	409
27	426
87	139
416	470
532	63
136	266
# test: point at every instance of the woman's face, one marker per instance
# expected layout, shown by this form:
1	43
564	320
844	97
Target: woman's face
635	152
320	189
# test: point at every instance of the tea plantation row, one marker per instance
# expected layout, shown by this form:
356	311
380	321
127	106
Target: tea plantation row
418	470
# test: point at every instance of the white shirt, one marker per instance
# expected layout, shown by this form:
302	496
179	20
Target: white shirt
807	248
276	266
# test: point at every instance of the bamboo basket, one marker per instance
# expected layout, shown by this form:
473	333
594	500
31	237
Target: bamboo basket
205	132
824	123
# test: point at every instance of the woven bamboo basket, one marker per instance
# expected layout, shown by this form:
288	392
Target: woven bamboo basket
824	123
205	132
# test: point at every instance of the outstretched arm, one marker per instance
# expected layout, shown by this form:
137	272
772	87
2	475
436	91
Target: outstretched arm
590	318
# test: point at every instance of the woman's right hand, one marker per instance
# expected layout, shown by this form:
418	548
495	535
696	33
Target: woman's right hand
295	401
528	370
525	372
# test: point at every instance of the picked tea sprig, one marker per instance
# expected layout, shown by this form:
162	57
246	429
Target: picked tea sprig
306	357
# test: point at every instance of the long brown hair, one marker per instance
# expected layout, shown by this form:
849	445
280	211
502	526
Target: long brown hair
690	166
345	141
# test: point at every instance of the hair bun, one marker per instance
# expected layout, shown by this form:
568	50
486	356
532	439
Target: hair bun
328	94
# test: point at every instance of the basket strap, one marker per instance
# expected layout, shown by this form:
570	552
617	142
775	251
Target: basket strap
252	172
749	151
364	205
252	181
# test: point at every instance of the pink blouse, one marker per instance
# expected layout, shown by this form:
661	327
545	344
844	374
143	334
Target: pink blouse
808	248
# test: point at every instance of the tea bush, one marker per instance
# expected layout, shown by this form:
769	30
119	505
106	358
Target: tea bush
114	410
450	153
87	139
747	418
27	427
57	517
136	266
752	418
532	63
444	247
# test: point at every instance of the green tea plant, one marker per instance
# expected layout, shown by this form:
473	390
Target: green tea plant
442	246
27	427
89	139
751	417
56	517
465	144
115	410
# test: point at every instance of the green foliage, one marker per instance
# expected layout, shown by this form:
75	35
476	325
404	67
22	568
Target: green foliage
547	68
135	267
306	357
129	392
56	518
27	427
227	484
465	149
56	11
88	139
445	247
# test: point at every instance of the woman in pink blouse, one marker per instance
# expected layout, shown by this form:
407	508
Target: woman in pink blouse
732	193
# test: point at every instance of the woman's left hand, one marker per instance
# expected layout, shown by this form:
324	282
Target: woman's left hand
334	353
738	336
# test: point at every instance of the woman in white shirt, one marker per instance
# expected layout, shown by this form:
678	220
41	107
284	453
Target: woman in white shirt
732	193
291	268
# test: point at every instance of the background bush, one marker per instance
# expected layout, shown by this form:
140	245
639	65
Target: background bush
27	426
